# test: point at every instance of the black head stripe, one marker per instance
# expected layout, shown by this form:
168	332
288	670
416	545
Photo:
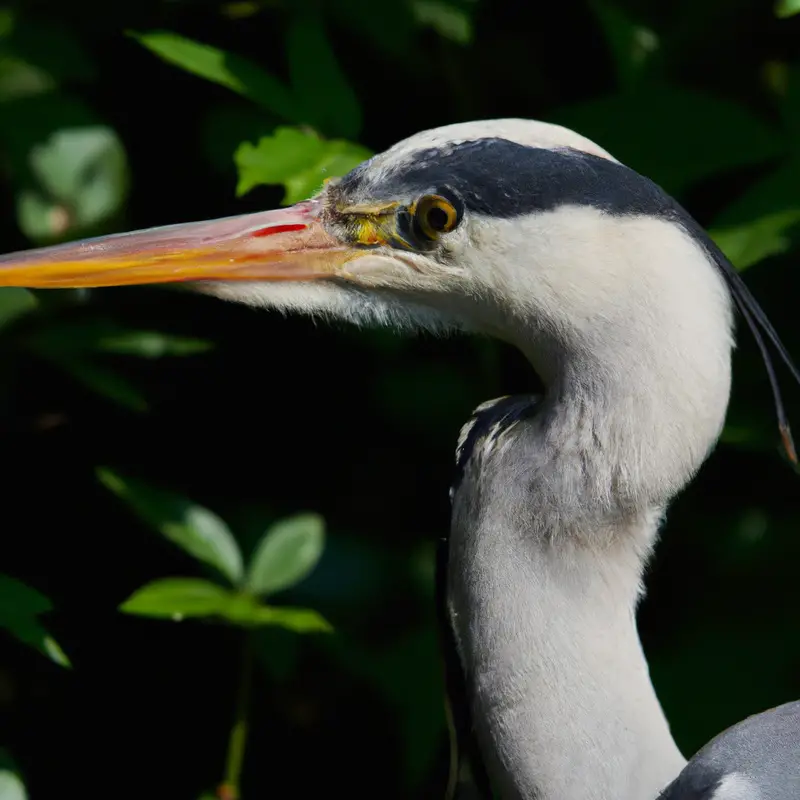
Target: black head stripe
500	178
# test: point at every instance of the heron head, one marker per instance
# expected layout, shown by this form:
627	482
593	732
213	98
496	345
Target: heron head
413	237
523	230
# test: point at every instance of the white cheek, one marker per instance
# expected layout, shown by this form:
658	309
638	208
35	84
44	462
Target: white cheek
371	268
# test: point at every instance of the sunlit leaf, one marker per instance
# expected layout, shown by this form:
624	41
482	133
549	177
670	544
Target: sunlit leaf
760	222
450	20
298	620
20	607
287	553
338	159
276	158
195	529
176	598
787	8
722	135
329	103
298	160
12	786
181	598
246	611
15	302
749	243
233	72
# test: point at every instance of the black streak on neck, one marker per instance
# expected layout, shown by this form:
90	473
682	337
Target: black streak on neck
486	422
490	422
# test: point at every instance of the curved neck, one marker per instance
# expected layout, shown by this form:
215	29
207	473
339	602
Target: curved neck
542	601
557	511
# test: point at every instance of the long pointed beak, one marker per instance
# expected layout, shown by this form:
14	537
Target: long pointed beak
286	244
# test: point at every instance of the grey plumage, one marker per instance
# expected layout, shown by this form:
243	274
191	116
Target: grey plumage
756	759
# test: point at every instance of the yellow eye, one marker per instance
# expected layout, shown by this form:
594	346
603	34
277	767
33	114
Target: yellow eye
435	215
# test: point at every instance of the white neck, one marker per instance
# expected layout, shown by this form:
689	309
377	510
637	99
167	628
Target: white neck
553	520
562	700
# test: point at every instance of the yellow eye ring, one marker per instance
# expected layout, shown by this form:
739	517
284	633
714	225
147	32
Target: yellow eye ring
435	215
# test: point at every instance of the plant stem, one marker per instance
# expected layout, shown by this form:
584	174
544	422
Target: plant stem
230	788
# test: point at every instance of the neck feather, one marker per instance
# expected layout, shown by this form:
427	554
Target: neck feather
554	517
542	605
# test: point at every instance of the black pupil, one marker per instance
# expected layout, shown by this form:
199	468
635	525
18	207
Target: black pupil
437	218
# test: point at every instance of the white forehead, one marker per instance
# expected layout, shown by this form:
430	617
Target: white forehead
531	133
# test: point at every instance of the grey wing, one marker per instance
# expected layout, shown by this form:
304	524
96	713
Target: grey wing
756	759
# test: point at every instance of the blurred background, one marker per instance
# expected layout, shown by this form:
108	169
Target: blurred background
148	434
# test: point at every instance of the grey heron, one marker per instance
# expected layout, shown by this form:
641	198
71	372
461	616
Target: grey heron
533	234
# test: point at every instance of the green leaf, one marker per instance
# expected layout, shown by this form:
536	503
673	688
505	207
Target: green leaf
15	302
176	598
722	135
329	103
17	598
450	20
245	610
287	553
773	194
338	159
787	8
68	169
51	48
80	336
759	223
749	243
20	605
179	598
152	344
276	158
103	381
233	72
300	161
12	786
195	529
20	79
7	22
633	46
299	620
80	183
